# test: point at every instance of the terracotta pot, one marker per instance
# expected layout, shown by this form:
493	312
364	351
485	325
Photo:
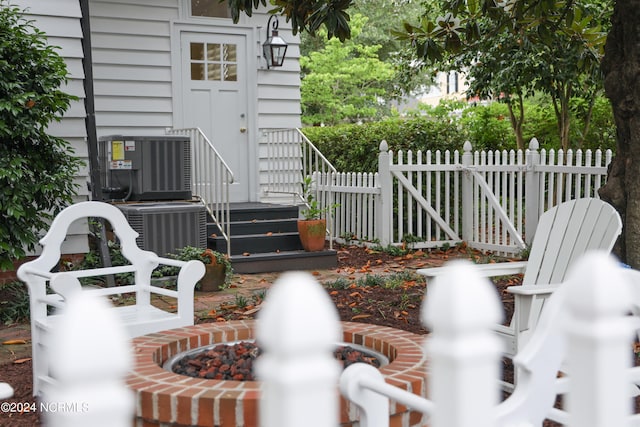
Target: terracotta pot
312	234
213	278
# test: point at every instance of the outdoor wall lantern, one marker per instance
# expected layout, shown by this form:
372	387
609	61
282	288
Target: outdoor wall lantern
274	48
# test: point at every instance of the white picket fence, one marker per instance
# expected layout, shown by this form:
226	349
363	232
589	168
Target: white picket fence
489	199
585	324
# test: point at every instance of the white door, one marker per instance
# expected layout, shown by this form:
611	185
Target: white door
214	74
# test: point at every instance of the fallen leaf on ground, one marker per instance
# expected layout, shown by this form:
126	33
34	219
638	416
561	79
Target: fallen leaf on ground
333	293
19	361
212	312
355	294
253	310
315	273
360	316
13	342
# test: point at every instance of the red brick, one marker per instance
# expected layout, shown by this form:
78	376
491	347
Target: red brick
228	402
205	407
164	404
250	408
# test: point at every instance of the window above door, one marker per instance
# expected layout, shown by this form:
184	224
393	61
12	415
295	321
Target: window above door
210	9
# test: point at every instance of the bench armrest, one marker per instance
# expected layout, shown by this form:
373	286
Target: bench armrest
486	270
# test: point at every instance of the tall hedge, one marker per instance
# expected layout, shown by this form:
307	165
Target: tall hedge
354	147
36	169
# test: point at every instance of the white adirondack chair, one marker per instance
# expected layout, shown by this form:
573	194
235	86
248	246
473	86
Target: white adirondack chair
51	289
565	232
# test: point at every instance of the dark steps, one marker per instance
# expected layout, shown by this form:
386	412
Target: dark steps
284	261
264	238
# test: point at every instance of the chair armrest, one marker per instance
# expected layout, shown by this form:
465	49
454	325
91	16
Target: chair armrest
534	290
486	270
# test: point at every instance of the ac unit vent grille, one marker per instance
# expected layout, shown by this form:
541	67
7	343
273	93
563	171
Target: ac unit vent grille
147	167
165	227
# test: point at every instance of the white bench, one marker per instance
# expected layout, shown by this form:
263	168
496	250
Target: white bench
50	289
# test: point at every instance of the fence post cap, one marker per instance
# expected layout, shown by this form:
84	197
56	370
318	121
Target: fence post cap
467	146
91	342
608	293
384	146
298	317
461	300
534	144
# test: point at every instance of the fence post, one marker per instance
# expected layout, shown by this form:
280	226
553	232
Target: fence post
298	329
90	358
467	193
384	204
599	341
532	208
461	309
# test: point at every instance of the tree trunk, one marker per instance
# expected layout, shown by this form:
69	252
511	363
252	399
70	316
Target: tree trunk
517	120
621	67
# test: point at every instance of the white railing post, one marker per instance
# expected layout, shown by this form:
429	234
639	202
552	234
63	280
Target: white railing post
599	342
89	359
532	191
467	193
384	204
461	309
298	329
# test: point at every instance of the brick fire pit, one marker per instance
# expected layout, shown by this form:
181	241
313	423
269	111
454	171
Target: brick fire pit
166	399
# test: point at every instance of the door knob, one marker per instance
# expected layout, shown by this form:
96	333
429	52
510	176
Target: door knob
243	130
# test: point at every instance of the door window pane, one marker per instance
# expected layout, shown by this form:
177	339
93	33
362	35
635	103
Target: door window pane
213	72
213	52
197	71
197	51
230	53
231	72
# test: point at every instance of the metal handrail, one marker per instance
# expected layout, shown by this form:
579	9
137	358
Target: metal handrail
210	178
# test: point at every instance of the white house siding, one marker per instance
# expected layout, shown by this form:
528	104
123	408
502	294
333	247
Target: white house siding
131	45
60	20
279	104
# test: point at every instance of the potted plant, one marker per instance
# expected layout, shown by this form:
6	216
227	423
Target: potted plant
218	267
312	228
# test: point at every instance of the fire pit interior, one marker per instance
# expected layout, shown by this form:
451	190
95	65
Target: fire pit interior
234	361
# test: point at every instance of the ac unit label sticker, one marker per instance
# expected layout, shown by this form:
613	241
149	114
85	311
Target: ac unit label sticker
120	165
129	146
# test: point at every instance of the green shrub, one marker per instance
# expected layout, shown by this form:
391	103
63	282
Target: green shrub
37	170
14	303
355	147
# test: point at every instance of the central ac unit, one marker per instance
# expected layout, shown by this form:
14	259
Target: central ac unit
145	167
164	227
